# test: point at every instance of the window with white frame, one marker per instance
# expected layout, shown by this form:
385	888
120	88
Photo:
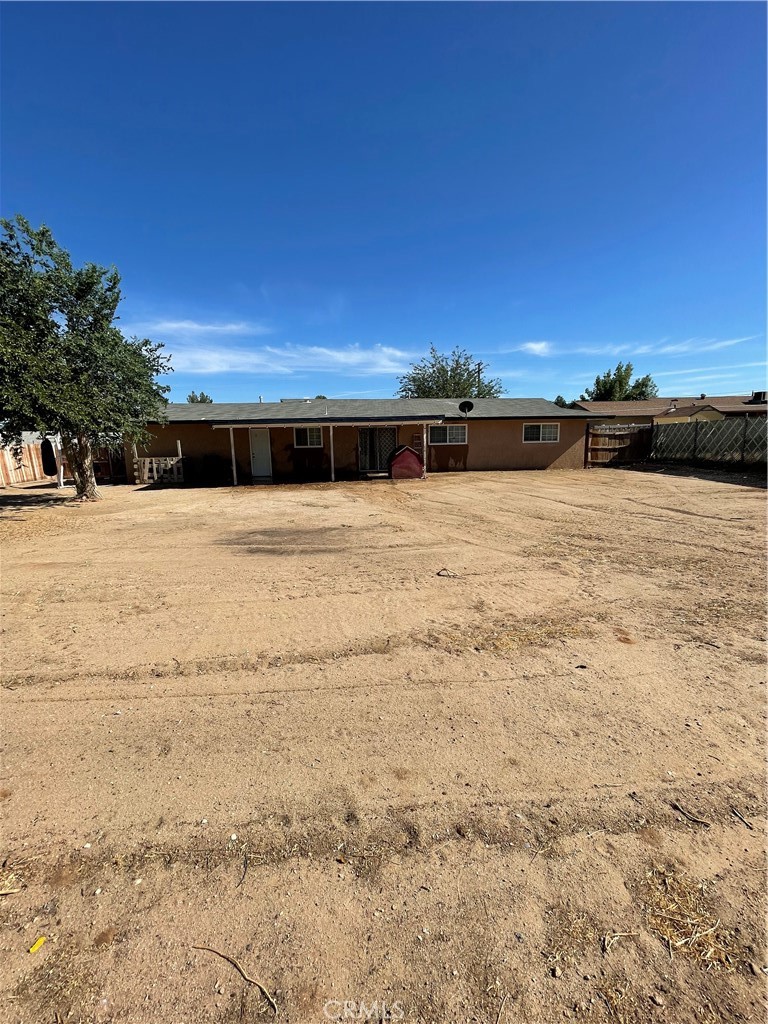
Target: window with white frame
536	433
308	437
449	433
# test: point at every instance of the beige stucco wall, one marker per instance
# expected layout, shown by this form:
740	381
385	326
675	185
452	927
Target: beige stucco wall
498	444
492	444
206	451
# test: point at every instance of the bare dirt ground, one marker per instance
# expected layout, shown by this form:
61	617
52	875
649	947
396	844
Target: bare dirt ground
260	720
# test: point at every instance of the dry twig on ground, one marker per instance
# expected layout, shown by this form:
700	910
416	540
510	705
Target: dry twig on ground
610	939
243	975
690	817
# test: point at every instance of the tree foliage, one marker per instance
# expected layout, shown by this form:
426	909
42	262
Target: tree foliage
617	386
202	397
456	375
563	404
65	368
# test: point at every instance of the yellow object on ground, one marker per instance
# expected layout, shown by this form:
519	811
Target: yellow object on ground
36	945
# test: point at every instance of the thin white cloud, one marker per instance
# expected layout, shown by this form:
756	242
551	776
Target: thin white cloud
663	347
161	330
199	358
613	350
352	359
705	378
536	348
702	345
707	369
286	360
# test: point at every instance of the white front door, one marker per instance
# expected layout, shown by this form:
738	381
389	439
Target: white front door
261	455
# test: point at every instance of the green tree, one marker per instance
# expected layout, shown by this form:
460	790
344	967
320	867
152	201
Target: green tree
563	404
617	386
202	397
65	368
320	396
457	375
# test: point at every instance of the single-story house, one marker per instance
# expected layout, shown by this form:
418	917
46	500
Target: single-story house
649	410
334	439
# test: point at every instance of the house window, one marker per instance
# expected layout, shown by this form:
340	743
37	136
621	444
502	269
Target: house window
308	437
450	433
534	433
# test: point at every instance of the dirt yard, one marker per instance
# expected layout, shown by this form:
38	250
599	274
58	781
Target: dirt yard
485	748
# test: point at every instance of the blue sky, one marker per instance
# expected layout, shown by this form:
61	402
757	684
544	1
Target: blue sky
302	197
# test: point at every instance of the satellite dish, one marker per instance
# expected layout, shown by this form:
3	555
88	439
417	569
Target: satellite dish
466	407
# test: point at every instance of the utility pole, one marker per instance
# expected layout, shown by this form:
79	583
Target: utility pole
479	372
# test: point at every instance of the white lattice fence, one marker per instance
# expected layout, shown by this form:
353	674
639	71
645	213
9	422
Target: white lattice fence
164	469
740	440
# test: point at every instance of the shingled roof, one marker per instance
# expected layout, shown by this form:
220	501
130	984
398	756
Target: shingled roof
357	410
660	406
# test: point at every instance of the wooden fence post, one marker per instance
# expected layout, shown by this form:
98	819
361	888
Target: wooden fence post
587	454
695	440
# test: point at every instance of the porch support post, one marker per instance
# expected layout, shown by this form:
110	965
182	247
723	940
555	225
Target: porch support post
424	451
60	463
232	449
333	464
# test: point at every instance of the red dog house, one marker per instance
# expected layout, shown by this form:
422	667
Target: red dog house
406	464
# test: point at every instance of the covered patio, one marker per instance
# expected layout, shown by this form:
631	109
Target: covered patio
374	444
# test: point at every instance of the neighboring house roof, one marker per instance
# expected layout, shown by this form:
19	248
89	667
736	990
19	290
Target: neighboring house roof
687	410
354	410
727	405
647	407
661	406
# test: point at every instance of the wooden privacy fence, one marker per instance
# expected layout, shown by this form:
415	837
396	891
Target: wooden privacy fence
739	440
19	471
609	443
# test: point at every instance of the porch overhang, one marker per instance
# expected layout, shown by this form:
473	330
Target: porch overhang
416	422
330	423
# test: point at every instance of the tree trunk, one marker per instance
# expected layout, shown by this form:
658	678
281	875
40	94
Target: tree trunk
79	454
